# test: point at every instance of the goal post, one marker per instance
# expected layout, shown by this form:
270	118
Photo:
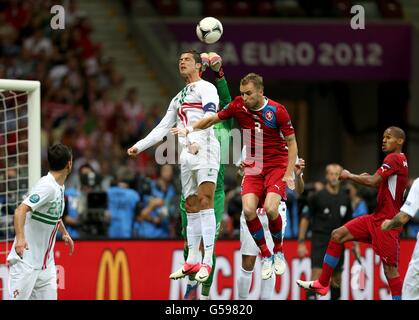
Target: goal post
20	156
33	88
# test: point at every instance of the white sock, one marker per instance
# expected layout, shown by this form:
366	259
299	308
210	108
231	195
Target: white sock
243	284
208	234
193	236
267	288
202	297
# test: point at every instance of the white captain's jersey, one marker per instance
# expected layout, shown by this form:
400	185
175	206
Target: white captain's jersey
411	205
194	102
46	200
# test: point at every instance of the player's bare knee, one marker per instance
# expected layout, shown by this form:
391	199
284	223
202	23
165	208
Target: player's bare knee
249	212
191	206
205	202
248	262
272	212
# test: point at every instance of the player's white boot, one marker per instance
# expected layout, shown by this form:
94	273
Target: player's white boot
186	269
267	267
279	263
203	273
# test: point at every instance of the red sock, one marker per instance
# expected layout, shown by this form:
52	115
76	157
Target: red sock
275	227
331	259
395	287
256	230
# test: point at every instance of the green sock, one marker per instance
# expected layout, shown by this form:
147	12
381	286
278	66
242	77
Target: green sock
206	286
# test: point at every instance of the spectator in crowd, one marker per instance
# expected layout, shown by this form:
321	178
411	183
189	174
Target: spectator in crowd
154	221
123	203
359	206
75	210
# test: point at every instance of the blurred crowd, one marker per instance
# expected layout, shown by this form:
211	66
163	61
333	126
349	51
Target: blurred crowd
109	195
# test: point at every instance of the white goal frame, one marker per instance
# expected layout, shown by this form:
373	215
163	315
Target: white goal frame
33	88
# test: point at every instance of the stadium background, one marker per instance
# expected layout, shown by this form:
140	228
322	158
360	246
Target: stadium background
108	76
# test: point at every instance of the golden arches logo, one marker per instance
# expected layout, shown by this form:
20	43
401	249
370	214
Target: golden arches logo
115	265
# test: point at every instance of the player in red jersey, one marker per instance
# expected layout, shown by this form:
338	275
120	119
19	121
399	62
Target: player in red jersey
273	148
391	180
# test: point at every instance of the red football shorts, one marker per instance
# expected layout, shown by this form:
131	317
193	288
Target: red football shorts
386	244
269	180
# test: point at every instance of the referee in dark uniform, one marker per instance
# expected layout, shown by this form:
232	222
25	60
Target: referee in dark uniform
327	210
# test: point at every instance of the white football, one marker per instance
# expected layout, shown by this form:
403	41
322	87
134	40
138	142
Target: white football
209	30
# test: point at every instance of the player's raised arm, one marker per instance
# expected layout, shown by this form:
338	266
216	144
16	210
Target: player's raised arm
157	134
216	64
364	179
398	221
201	124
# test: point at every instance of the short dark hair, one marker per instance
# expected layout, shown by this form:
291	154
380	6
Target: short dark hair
195	54
252	77
333	164
397	132
58	156
125	174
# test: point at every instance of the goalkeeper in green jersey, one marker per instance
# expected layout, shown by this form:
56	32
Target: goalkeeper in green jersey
222	132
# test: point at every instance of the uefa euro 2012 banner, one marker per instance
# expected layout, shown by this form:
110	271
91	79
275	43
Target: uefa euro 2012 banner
301	50
140	270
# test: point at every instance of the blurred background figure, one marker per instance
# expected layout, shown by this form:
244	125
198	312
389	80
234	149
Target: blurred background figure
123	204
79	213
156	219
359	206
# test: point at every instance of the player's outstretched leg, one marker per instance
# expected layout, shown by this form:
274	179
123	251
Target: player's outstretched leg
256	230
275	227
331	259
208	237
193	234
191	292
250	202
206	286
394	281
206	192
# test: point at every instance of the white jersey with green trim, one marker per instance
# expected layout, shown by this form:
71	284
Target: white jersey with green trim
46	201
195	101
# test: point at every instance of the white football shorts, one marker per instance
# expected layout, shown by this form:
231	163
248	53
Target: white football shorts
26	283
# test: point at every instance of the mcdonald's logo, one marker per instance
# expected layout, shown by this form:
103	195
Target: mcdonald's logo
115	265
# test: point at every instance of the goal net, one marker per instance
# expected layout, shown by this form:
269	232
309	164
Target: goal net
20	156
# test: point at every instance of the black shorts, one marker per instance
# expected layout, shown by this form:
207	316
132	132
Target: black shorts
319	244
